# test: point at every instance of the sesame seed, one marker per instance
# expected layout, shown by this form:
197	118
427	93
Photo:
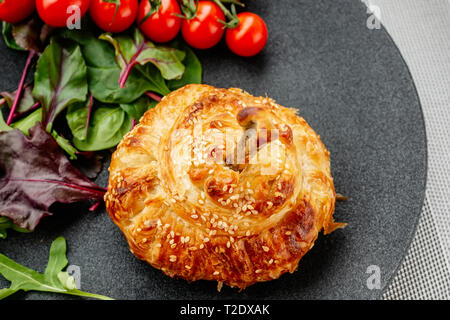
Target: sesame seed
186	239
216	273
247	233
270	261
194	216
172	234
144	240
258	271
138	229
266	249
172	258
288	233
228	244
158	245
201	201
173	246
202	246
187	267
205	239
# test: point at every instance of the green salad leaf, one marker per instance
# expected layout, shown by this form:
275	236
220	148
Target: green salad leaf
60	79
36	116
103	71
137	108
193	71
132	50
107	127
5	224
54	279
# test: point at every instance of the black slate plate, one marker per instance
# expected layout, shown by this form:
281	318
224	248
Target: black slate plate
353	87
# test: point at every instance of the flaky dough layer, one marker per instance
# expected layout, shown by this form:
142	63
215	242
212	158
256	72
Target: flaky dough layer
193	205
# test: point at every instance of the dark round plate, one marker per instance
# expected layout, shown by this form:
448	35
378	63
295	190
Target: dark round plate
352	86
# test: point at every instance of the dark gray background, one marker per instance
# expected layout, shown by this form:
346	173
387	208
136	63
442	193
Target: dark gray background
353	87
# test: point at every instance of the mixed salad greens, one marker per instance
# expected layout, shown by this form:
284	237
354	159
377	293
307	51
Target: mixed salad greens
87	92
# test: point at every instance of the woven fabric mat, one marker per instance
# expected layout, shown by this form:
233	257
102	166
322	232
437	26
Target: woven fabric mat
421	30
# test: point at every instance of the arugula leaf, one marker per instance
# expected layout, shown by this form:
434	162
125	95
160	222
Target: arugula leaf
5	224
193	72
103	71
60	79
36	174
136	50
54	279
108	126
137	109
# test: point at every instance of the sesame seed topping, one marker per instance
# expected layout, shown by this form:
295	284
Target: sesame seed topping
205	239
172	258
288	233
194	216
270	261
228	244
216	273
247	233
187	267
266	249
202	246
258	271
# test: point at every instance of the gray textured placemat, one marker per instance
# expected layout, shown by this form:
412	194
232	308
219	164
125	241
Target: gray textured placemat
421	30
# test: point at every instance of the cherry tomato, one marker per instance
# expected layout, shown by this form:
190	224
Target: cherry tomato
205	30
105	16
249	37
13	11
56	13
162	26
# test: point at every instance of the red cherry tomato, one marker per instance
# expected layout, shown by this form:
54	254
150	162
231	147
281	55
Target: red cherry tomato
13	11
162	26
250	37
56	12
205	30
105	16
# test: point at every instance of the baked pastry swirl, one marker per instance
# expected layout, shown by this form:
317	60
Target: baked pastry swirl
216	184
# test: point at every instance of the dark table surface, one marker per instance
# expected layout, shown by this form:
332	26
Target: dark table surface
352	86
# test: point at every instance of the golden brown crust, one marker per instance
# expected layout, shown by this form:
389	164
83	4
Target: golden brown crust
189	207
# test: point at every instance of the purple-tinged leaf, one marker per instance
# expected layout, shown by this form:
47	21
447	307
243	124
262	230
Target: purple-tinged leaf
34	174
26	102
136	50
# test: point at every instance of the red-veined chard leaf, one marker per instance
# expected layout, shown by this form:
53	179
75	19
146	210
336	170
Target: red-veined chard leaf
136	50
36	116
34	174
60	79
26	101
29	35
103	71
